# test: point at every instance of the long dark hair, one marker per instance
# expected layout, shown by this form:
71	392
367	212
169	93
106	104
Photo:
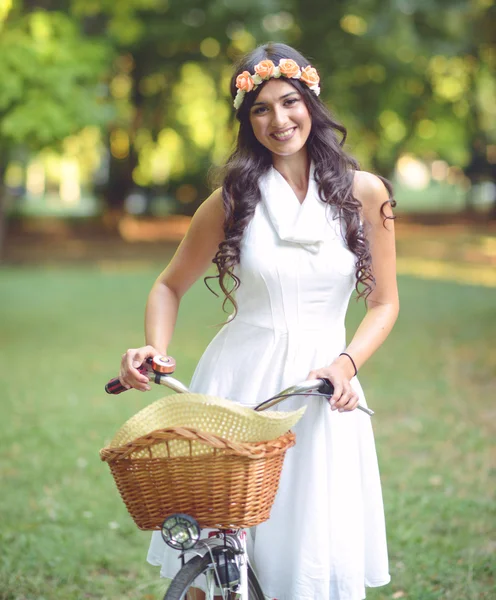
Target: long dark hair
250	159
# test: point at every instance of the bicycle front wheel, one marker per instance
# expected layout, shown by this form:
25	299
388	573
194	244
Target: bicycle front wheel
194	573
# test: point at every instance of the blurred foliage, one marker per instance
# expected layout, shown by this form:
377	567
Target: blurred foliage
403	76
50	75
407	76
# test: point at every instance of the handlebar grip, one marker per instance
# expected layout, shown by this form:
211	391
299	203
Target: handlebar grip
114	386
326	388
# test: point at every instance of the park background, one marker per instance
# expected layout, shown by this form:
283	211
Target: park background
113	117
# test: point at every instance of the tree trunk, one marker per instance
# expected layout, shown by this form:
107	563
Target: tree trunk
120	180
2	225
3	210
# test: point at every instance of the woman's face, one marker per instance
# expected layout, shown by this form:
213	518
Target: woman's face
280	118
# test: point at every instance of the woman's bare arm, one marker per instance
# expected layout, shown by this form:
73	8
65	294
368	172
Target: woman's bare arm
382	303
191	260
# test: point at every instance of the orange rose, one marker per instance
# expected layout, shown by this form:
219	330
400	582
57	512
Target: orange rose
288	67
244	81
310	76
265	69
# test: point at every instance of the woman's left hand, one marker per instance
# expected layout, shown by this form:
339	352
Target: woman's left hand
344	398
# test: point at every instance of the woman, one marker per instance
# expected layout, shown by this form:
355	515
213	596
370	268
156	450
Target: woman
295	227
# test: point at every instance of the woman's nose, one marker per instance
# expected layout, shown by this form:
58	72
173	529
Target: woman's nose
278	118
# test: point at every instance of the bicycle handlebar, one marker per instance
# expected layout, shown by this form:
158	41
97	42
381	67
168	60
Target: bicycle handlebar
154	368
159	371
311	387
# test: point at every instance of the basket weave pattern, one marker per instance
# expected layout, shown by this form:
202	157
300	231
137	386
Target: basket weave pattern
232	484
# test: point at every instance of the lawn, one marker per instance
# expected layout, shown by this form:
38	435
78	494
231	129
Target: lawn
65	533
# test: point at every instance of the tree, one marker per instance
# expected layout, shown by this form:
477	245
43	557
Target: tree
52	83
410	76
169	85
402	76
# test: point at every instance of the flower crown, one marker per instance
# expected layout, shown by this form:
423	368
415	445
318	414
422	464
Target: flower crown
266	69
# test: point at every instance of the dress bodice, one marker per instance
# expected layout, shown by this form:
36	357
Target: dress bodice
296	271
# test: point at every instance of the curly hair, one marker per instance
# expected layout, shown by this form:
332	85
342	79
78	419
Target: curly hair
334	173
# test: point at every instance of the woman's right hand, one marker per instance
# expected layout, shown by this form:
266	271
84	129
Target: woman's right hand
129	375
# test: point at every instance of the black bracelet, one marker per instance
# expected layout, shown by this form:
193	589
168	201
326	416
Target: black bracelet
352	361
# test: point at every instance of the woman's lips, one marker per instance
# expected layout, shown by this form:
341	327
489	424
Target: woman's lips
284	135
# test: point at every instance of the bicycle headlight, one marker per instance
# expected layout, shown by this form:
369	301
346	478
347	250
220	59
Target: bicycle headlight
180	531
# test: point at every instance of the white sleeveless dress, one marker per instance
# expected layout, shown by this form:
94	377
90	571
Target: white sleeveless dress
325	539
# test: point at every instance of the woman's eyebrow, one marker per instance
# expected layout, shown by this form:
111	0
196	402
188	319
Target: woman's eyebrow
281	98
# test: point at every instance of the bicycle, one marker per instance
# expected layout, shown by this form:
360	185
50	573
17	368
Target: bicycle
220	563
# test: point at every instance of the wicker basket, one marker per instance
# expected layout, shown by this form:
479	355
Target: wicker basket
222	483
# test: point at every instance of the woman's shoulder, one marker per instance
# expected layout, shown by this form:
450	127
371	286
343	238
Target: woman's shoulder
213	205
368	185
215	197
370	190
210	214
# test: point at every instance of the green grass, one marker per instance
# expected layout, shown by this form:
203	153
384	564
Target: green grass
65	533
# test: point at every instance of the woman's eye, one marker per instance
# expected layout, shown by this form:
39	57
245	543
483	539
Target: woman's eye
262	109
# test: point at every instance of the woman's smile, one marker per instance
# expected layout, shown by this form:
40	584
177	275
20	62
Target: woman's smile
283	136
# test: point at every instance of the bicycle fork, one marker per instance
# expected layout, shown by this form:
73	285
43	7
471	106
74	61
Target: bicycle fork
229	572
243	568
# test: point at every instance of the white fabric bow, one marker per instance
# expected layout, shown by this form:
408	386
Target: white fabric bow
299	223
